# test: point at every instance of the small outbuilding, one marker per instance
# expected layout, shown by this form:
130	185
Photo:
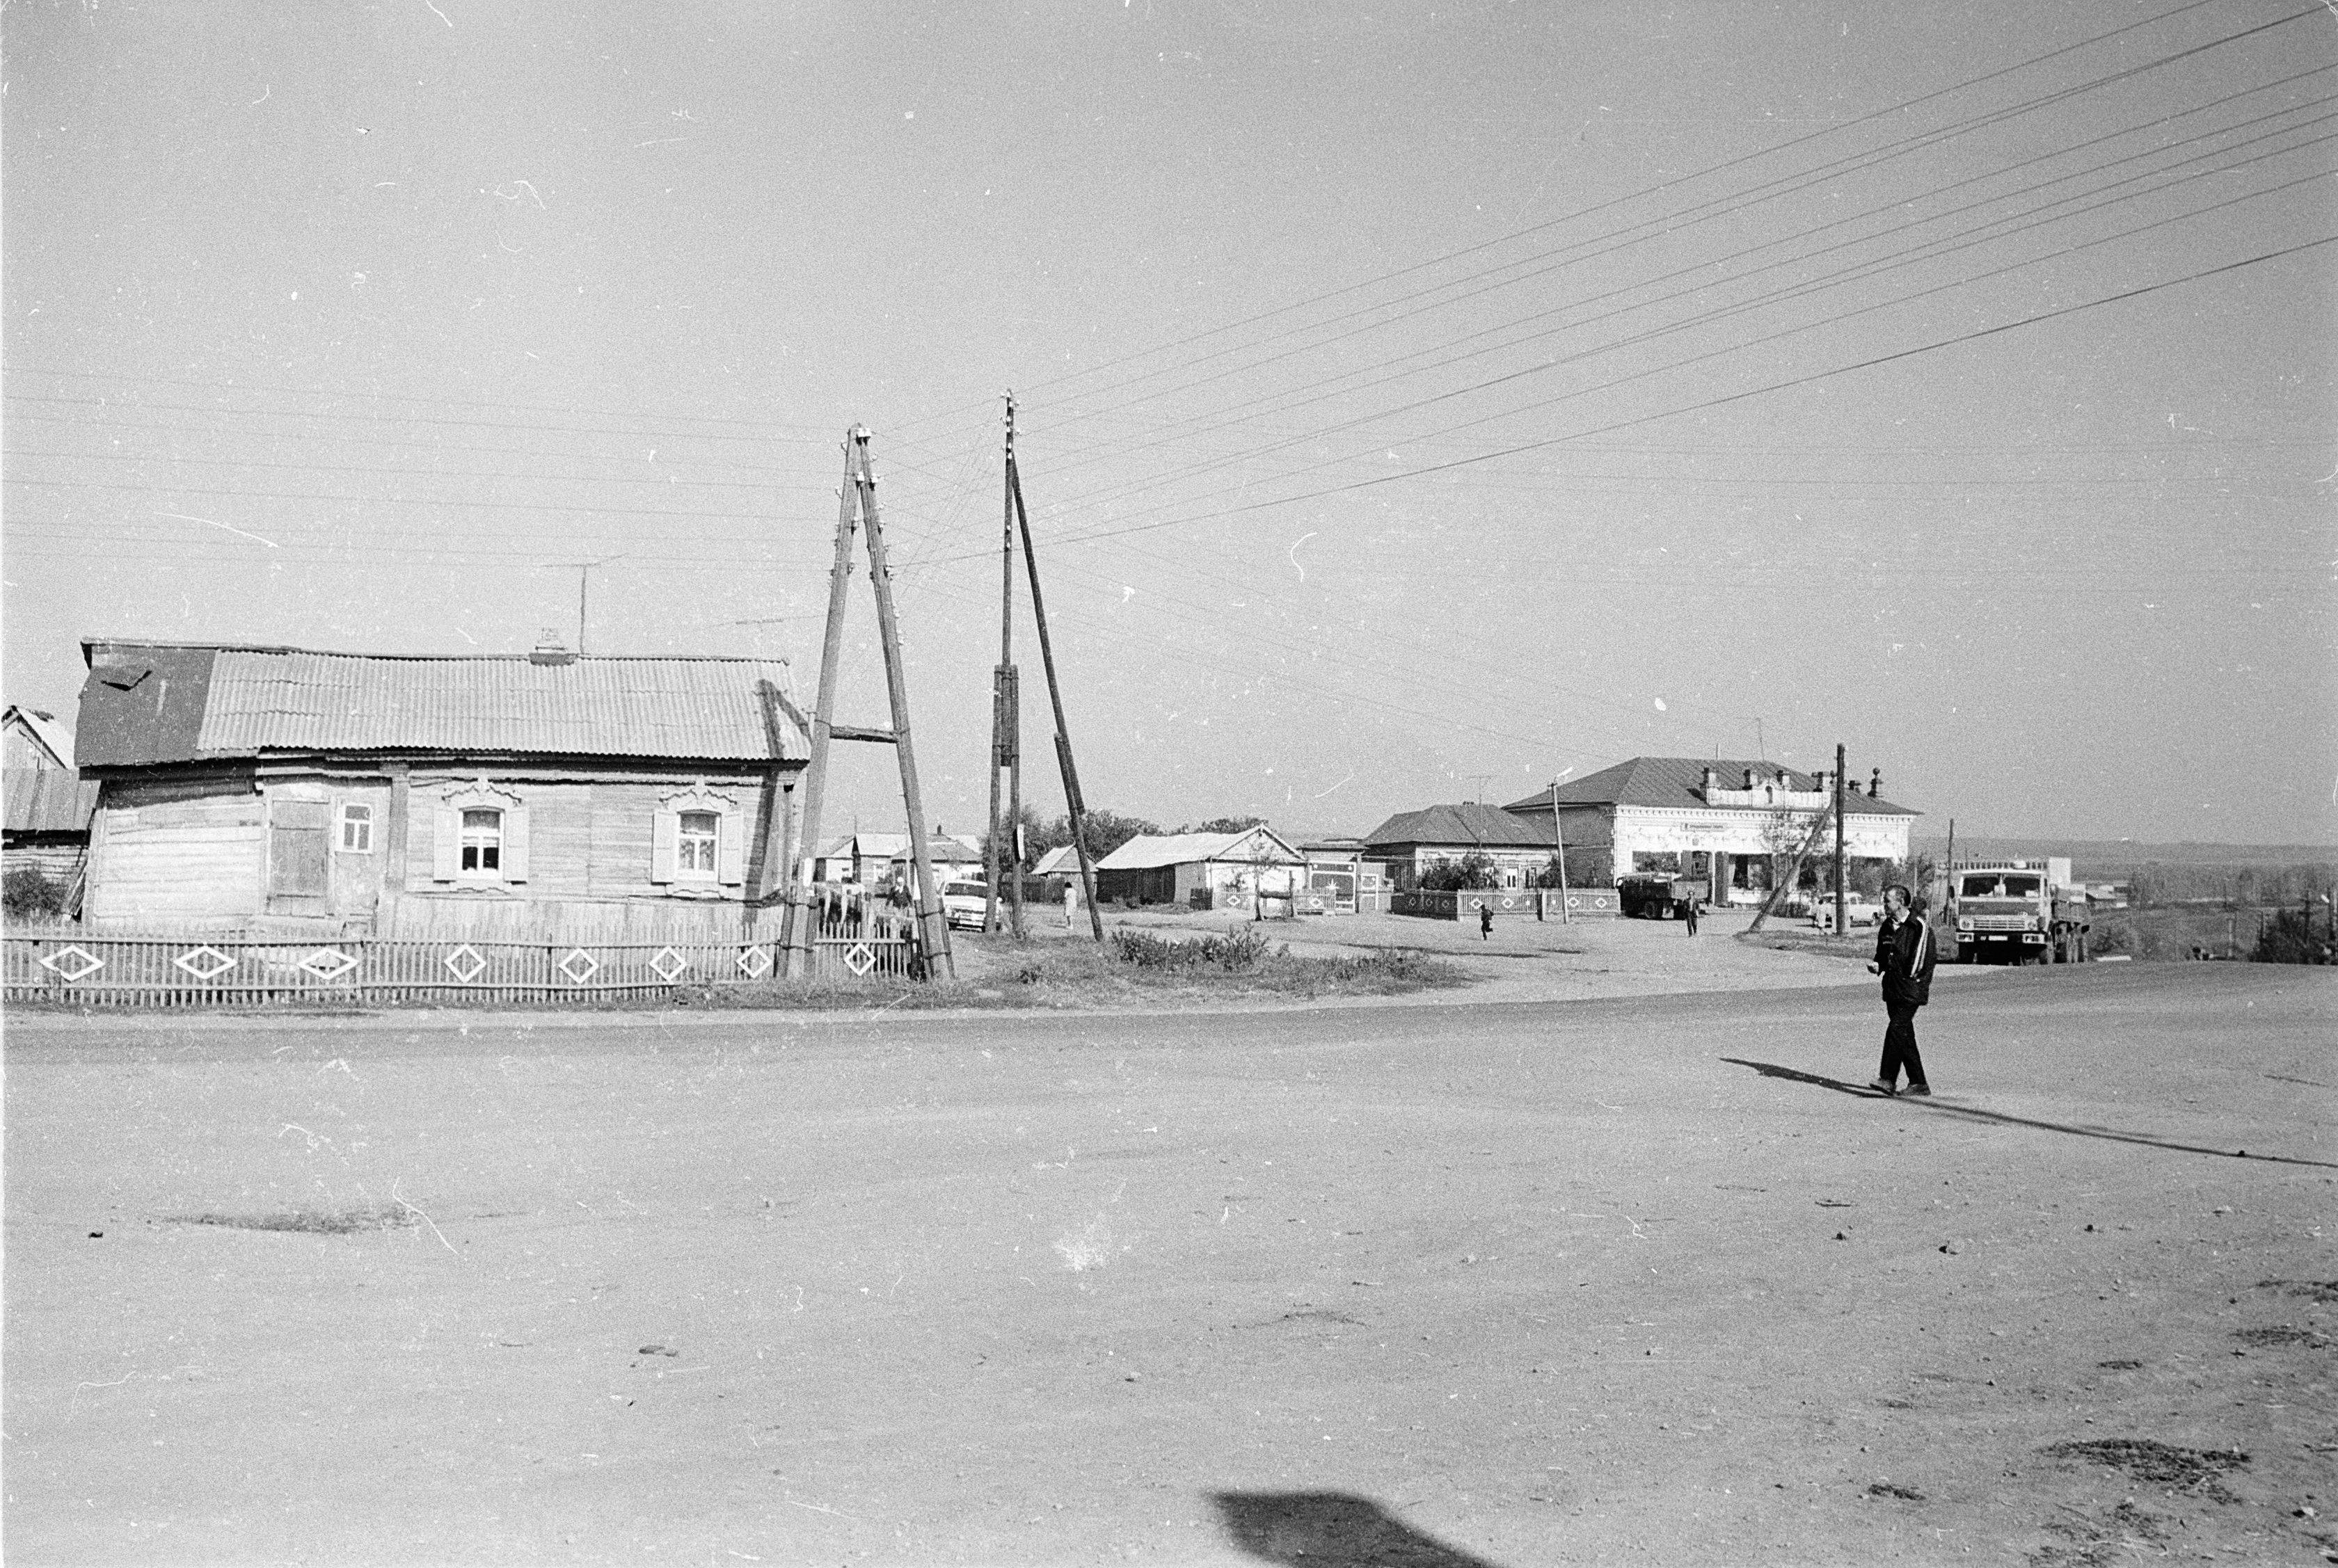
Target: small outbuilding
1225	870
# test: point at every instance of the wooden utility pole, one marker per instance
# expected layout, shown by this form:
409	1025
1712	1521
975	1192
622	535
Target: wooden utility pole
1006	723
857	504
1559	839
1841	899
797	919
1949	871
1811	841
1073	805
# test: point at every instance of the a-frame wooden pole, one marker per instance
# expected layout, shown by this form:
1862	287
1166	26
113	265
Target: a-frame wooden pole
1073	805
933	925
797	920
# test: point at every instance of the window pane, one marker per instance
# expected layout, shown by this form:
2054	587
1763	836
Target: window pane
483	840
700	822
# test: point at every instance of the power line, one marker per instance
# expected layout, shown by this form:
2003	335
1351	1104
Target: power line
1729	398
1451	256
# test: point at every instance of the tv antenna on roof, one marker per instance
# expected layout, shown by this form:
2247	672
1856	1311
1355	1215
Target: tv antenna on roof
584	570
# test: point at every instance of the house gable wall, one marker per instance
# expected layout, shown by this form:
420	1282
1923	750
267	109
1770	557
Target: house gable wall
177	851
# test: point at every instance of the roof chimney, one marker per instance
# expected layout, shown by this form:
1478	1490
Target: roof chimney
1875	784
548	650
1820	780
1711	779
1749	777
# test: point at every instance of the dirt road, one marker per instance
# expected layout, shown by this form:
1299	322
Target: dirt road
1634	1280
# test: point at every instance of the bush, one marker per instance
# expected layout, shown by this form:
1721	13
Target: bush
28	894
1236	952
1475	870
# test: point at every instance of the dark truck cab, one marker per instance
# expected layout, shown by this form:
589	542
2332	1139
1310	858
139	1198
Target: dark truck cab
1658	897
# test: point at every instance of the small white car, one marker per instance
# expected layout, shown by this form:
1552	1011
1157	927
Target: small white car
1856	911
964	899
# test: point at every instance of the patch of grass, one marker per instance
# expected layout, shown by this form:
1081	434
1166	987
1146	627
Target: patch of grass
2283	1334
2322	1290
309	1221
2160	1464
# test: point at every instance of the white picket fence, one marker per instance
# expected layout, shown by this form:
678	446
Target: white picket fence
198	969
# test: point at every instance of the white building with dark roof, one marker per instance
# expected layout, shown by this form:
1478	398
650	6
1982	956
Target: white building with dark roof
1713	818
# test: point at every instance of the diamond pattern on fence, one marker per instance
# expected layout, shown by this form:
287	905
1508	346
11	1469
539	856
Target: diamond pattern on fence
668	963
753	961
72	963
329	963
860	958
580	966
465	962
205	963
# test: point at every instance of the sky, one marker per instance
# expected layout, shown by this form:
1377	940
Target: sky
1415	401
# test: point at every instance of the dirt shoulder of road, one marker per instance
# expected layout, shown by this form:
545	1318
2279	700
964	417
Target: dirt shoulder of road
1521	960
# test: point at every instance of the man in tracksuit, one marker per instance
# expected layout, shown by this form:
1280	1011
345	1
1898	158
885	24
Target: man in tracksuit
1904	955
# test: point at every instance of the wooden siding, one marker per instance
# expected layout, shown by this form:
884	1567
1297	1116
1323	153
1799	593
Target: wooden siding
591	838
203	850
58	859
184	852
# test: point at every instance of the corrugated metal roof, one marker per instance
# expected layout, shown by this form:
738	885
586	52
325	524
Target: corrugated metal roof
1152	851
1679	781
48	800
1468	822
711	709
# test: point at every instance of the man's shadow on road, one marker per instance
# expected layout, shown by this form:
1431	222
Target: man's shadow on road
1332	1530
1975	1113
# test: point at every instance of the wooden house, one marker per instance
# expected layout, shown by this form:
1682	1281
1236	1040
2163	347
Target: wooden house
257	786
47	822
1229	870
1412	843
34	738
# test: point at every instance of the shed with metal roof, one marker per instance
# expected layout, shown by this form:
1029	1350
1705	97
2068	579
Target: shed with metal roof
1227	870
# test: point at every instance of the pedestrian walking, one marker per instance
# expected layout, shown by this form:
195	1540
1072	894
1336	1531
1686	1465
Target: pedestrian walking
1905	953
1688	913
1071	903
1485	920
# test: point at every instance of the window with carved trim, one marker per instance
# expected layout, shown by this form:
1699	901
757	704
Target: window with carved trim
483	845
700	832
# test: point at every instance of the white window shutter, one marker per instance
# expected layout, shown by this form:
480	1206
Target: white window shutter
665	843
446	844
731	849
515	855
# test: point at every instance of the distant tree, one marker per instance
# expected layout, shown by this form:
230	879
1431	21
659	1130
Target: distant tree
1107	831
1035	840
2293	936
1225	825
1474	869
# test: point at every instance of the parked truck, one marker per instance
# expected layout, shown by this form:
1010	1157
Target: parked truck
2018	912
1659	897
